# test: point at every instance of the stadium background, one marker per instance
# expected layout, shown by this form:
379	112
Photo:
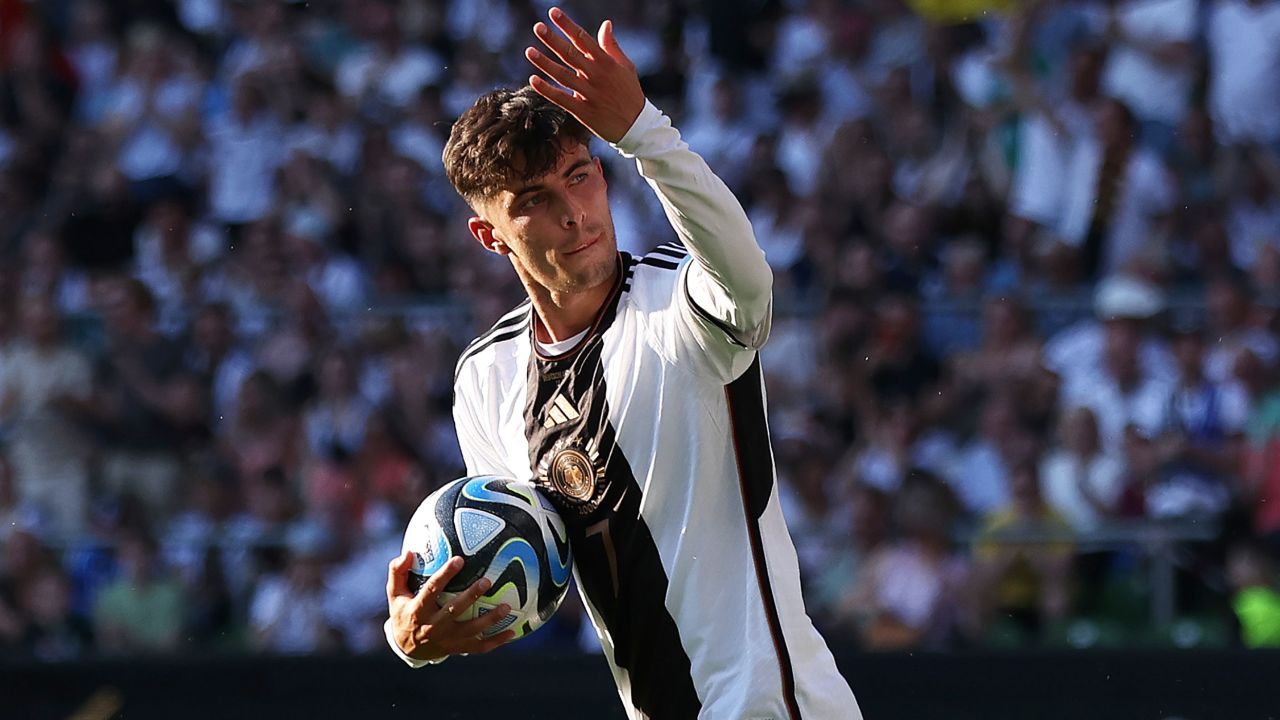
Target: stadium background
1022	380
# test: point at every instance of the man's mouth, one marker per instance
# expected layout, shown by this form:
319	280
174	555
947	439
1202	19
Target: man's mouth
585	245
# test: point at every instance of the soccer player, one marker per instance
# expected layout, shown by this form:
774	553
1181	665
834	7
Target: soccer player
629	388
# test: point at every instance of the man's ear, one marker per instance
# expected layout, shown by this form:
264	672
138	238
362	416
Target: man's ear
482	231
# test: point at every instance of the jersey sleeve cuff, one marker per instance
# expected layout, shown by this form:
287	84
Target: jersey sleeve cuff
411	662
633	143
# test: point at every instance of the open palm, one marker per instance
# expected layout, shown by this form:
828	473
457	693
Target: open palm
594	80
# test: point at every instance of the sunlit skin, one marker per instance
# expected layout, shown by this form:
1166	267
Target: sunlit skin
557	232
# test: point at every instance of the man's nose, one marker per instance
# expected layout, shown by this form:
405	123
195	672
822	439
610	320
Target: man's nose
573	213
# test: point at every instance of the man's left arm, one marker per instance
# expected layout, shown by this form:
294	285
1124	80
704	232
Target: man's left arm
730	284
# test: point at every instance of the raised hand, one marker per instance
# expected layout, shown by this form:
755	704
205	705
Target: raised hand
426	631
597	82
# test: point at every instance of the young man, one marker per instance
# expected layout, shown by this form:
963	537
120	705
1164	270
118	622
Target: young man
631	390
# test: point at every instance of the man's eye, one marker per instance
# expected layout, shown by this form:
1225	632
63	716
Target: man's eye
579	178
534	201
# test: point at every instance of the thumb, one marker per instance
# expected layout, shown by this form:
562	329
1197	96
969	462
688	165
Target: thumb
398	575
609	43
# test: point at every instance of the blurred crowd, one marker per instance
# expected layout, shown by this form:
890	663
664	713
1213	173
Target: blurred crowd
1027	277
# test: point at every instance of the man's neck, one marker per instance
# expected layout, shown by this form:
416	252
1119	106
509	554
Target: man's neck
562	315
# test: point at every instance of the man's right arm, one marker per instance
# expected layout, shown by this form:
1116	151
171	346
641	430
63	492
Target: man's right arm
417	629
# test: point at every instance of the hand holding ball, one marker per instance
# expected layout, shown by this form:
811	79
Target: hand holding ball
507	533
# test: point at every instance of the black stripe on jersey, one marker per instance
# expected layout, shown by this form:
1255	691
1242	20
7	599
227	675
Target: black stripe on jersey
749	427
505	330
659	262
678	253
629	263
590	481
513	316
725	327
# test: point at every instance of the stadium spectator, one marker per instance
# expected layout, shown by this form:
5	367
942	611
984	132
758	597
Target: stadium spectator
1252	574
1199	446
1124	392
1231	319
722	134
94	52
1008	351
1202	170
1051	130
177	257
812	503
139	410
1125	310
1114	195
53	632
1022	558
1243	38
328	132
776	219
898	364
142	610
246	147
41	377
334	423
906	594
899	440
980	477
868	525
260	433
386	72
151	120
254	539
1253	212
1151	64
287	611
216	356
1082	482
23	560
46	271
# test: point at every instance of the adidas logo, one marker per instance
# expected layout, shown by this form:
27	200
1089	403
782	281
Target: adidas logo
560	412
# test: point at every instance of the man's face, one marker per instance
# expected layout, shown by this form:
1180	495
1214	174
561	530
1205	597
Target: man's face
556	229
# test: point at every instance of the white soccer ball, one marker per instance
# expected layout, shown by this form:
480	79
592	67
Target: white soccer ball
505	530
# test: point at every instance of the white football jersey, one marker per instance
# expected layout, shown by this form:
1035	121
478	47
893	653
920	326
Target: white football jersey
650	437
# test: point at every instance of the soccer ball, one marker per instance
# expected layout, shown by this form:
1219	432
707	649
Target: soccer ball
505	530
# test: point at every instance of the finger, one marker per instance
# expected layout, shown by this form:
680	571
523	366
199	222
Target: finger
459	603
577	35
556	95
496	641
478	625
437	582
561	74
609	43
398	576
563	49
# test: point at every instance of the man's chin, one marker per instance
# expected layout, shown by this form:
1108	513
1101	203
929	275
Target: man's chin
600	272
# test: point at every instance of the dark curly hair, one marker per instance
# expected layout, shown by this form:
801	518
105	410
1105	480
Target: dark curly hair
507	135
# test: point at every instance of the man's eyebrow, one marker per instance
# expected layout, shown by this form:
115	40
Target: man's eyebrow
517	193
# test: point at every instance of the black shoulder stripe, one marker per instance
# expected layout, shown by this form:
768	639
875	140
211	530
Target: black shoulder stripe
513	317
678	253
657	262
490	340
